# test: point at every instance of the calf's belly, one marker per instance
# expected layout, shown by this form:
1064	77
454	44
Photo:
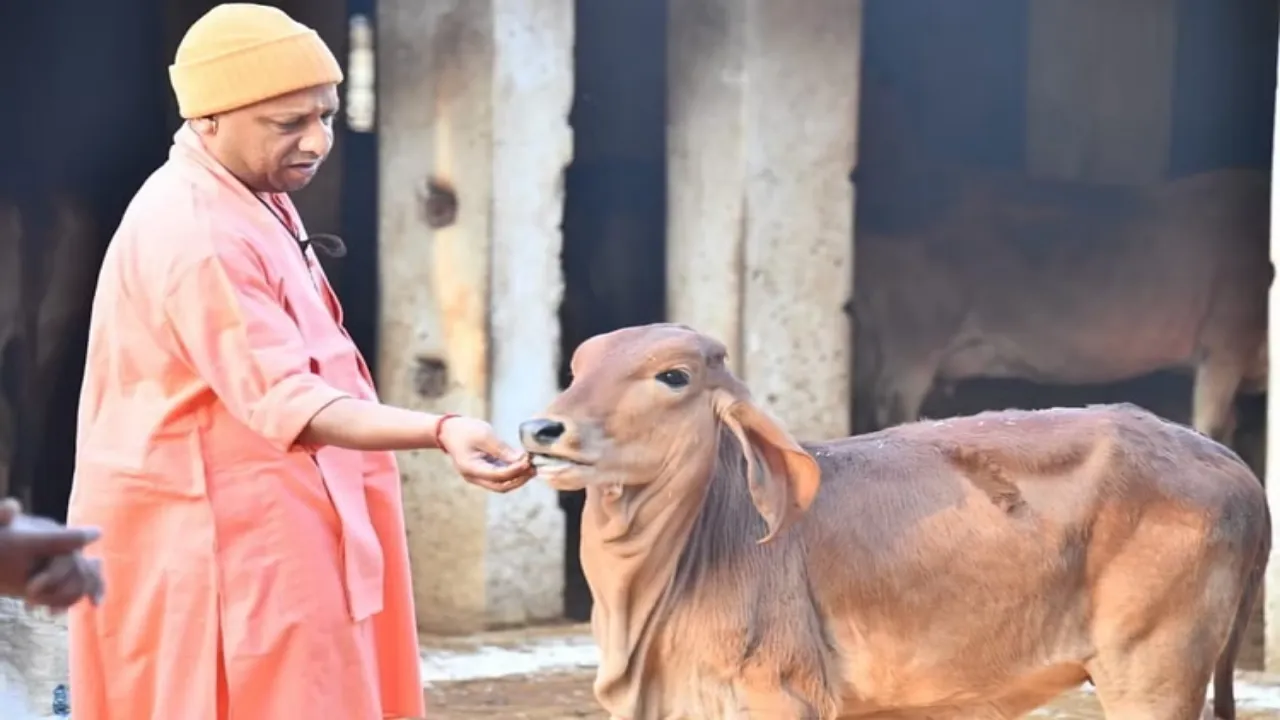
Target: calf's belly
998	618
1024	690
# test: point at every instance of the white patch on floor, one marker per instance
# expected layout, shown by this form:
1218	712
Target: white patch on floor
561	654
1256	697
540	656
1249	696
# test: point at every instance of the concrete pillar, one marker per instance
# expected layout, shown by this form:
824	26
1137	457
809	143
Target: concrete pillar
472	119
762	136
1100	89
533	145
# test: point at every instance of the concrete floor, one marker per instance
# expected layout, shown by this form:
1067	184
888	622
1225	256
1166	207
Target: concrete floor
546	673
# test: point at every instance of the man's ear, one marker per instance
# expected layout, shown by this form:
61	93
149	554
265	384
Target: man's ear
782	477
205	126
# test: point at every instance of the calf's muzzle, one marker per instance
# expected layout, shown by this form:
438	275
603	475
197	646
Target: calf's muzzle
540	432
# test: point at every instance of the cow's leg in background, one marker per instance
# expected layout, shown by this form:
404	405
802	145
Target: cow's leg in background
901	393
1217	379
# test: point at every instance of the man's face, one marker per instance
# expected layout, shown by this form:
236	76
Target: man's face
278	144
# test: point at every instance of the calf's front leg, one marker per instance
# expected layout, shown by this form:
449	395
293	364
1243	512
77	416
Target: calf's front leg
777	701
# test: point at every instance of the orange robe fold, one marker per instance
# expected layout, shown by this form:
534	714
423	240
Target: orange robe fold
248	577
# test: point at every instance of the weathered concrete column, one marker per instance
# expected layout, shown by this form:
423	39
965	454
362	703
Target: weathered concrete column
1100	89
762	136
470	90
532	146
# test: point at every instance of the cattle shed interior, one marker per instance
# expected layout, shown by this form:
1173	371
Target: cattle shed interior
950	82
943	84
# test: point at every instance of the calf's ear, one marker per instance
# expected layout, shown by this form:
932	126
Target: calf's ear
782	477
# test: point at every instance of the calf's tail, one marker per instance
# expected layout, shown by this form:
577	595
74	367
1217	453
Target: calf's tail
1224	700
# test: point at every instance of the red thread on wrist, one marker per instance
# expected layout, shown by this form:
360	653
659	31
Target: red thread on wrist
440	427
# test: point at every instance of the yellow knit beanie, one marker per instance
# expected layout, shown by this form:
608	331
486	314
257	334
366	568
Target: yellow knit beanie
241	53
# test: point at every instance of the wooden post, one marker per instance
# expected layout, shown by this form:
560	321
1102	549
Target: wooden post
473	103
1100	89
762	137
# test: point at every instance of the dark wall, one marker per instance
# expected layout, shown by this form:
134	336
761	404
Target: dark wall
959	69
1224	96
614	256
943	87
357	285
84	92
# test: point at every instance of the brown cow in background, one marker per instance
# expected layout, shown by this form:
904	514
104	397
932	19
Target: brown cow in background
967	568
1059	282
967	273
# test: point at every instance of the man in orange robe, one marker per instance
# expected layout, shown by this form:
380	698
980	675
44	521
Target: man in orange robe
231	447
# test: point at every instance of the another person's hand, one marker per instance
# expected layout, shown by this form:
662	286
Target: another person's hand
481	457
65	580
40	560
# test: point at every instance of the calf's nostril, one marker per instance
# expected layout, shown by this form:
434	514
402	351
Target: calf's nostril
541	432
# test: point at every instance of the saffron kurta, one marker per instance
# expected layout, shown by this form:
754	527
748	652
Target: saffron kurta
248	578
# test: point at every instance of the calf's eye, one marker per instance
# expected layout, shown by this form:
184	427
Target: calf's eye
673	378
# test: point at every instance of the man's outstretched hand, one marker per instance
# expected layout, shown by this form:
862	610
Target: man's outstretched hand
482	458
40	560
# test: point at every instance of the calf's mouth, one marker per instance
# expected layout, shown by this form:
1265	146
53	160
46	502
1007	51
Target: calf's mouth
552	462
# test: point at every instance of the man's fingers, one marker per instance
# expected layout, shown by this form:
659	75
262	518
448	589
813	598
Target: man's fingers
475	470
500	480
97	586
506	473
504	452
497	487
58	588
52	541
68	579
59	598
60	573
10	508
519	480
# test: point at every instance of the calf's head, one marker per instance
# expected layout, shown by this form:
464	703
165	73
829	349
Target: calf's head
645	413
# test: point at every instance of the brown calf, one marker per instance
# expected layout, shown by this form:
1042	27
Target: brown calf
973	567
